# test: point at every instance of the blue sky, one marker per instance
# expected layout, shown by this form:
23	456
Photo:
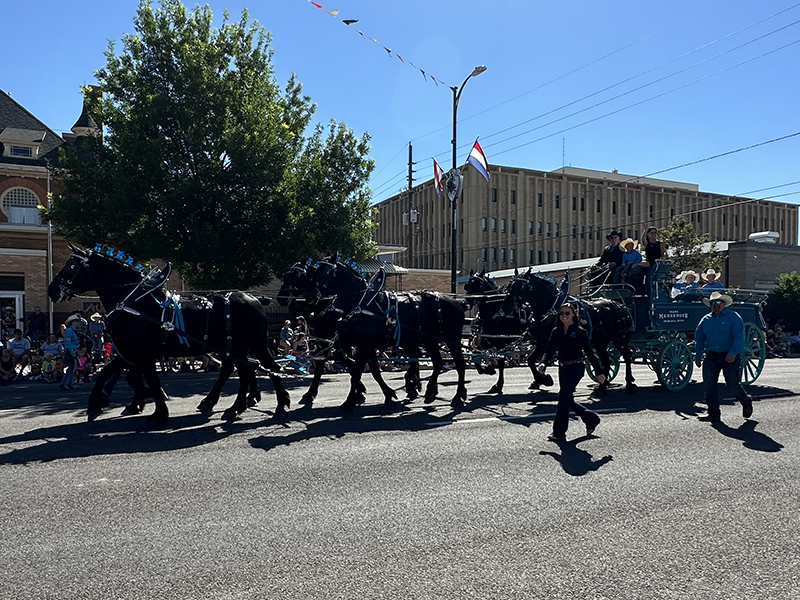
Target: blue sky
640	87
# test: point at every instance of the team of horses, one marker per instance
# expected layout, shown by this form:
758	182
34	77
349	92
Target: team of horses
350	317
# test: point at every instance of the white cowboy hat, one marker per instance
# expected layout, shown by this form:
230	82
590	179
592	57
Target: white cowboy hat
70	319
685	274
624	245
717	296
710	272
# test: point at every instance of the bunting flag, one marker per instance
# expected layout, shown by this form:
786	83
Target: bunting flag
335	12
478	160
437	177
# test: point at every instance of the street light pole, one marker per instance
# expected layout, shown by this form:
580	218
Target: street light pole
455	173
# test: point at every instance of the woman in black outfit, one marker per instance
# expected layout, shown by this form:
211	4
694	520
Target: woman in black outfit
571	342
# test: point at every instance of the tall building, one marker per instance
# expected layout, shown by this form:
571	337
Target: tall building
528	217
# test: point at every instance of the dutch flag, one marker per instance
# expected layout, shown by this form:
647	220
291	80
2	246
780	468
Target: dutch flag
478	160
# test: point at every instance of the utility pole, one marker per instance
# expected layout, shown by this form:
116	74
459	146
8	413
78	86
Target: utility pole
409	249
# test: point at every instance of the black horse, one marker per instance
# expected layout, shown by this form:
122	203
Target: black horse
494	329
147	322
376	320
299	294
606	321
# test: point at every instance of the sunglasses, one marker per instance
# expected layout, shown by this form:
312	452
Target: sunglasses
718	302
565	313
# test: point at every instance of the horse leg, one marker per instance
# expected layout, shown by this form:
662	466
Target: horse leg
389	395
161	413
140	392
282	396
246	374
208	403
539	380
311	394
497	388
254	392
432	389
359	362
461	368
412	378
627	356
97	399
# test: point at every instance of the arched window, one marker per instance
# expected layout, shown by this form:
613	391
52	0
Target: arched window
20	205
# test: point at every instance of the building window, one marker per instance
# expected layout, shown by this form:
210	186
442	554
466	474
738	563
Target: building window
539	255
583	203
494	254
530	257
558	201
556	256
483	223
512	196
549	228
20	152
494	224
724	219
539	227
549	257
574	203
539	199
574	231
652	212
483	254
502	225
530	227
583	231
513	226
20	205
614	207
512	255
502	255
736	220
558	229
754	224
629	209
494	194
598	205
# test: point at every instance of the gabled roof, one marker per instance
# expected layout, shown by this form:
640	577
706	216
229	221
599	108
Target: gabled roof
14	117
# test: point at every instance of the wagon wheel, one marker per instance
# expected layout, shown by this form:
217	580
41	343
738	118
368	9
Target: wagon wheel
674	366
614	356
753	355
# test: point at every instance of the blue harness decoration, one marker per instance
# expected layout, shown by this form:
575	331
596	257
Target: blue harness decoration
172	316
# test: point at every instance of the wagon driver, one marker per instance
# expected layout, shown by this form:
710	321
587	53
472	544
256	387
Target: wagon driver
718	345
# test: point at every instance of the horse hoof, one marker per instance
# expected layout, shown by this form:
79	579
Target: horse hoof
457	402
251	402
131	409
230	415
534	386
495	390
156	421
93	413
429	398
205	407
348	405
103	400
307	399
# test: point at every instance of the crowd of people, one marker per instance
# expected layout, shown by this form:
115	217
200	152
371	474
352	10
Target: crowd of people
67	357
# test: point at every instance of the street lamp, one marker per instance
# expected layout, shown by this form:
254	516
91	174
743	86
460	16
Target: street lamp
455	181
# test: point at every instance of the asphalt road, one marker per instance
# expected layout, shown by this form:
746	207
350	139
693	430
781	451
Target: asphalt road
415	502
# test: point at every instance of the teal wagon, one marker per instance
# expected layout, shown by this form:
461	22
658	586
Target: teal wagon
664	326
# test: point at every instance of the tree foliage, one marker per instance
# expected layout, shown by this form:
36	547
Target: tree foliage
685	247
783	302
205	161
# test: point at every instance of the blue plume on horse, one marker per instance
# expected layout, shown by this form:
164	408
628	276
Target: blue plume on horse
120	255
110	252
129	260
98	248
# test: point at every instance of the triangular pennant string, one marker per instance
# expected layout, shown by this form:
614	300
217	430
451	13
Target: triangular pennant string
335	12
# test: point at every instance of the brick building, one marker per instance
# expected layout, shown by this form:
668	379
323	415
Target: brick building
28	150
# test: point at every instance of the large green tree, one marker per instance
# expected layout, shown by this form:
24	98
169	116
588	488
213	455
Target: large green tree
685	247
206	162
783	302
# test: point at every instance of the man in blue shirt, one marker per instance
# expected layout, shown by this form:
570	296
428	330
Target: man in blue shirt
720	336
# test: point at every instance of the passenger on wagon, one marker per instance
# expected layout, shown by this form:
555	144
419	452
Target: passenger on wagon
712	277
687	283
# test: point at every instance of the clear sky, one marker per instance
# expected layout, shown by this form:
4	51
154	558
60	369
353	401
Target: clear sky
633	85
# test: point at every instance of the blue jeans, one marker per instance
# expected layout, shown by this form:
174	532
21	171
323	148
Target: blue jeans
69	375
712	365
568	378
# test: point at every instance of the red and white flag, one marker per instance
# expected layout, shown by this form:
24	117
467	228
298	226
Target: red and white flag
437	177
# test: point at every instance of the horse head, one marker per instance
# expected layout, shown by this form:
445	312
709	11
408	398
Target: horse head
536	291
335	277
297	283
99	269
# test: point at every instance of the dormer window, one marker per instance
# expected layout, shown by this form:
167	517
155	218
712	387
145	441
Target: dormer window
21	143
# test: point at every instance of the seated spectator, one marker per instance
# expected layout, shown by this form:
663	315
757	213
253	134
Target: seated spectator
49	368
712	277
35	369
20	349
7	370
794	343
53	346
286	337
687	283
300	346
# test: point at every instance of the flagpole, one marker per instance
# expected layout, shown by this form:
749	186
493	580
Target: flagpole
455	173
